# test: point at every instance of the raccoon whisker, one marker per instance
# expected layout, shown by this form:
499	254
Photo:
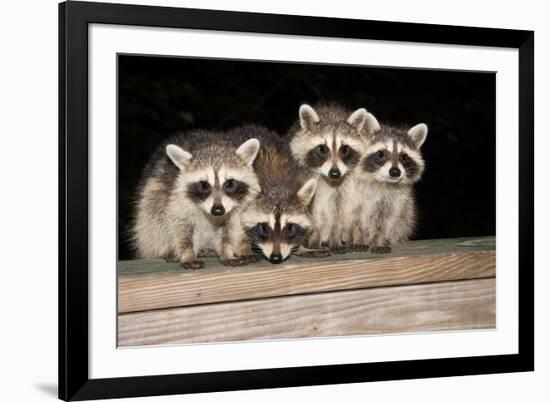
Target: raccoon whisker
255	249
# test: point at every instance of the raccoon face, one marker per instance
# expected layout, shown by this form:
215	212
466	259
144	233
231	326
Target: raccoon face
277	230
394	156
217	187
331	148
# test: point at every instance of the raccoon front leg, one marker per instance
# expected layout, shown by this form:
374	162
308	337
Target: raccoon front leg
314	240
234	251
380	246
380	225
358	237
312	253
379	243
187	256
246	253
228	257
188	259
335	242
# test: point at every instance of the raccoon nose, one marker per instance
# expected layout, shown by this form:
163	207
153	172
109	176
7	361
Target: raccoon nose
334	173
217	210
276	258
395	172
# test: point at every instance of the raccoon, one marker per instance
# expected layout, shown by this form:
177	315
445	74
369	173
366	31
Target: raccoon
330	141
191	196
385	176
278	220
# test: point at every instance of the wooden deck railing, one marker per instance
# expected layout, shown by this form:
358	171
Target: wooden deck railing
430	285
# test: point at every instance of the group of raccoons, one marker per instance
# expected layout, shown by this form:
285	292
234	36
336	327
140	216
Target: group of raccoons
337	182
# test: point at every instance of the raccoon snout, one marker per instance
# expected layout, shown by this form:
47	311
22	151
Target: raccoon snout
334	173
275	258
217	210
395	172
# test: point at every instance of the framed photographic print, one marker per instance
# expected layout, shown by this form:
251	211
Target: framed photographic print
257	201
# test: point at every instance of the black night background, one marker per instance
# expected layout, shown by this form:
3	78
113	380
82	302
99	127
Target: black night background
158	96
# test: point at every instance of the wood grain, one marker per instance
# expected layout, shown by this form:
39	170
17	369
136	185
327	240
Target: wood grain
407	249
173	288
459	305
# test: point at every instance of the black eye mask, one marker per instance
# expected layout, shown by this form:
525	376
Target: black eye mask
235	189
317	156
348	155
260	233
411	167
375	161
293	233
199	191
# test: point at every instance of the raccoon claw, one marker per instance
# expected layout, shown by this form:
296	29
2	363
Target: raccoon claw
319	253
192	265
359	247
381	250
240	261
233	262
249	259
339	250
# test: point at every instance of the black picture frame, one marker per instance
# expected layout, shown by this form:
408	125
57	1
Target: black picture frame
74	381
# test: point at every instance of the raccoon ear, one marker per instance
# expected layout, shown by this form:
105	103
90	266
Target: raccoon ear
358	118
371	124
248	150
306	193
308	117
418	134
179	157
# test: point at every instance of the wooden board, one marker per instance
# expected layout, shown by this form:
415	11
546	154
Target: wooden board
468	304
145	285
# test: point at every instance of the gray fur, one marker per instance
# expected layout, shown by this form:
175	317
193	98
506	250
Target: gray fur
173	224
385	210
285	198
334	128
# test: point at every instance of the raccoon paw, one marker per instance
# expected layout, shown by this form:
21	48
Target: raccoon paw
340	249
240	261
192	265
250	259
359	247
318	253
381	250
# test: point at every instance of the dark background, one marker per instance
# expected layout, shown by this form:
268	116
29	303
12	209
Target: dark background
456	196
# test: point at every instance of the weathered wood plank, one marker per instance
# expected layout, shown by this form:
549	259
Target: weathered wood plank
140	292
456	305
408	249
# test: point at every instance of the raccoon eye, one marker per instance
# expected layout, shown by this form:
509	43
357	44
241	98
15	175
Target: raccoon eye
204	186
322	149
381	155
263	229
229	185
344	150
404	157
290	230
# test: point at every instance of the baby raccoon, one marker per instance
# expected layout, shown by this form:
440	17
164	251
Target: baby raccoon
391	165
278	221
191	197
330	142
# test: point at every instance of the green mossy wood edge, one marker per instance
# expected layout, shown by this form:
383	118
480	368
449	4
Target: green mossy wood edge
412	248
